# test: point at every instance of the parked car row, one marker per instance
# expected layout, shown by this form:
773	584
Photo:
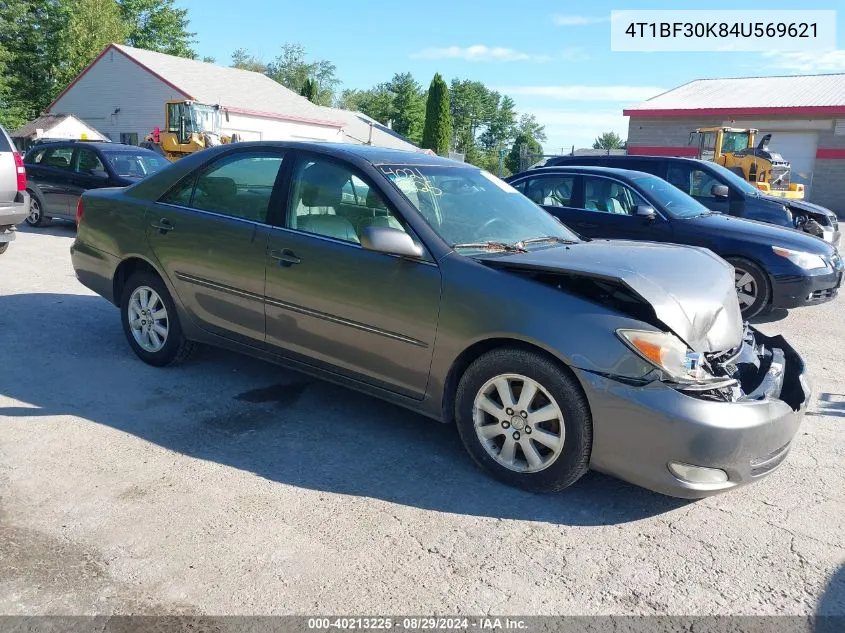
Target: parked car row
441	288
774	266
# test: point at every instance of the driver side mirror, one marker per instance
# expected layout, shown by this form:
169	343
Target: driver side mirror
383	239
719	191
645	211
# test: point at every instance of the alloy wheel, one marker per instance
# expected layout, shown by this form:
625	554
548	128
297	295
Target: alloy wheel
148	319
34	216
518	423
746	288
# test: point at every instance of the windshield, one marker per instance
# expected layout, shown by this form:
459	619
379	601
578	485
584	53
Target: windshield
734	180
469	207
202	118
135	164
734	141
670	198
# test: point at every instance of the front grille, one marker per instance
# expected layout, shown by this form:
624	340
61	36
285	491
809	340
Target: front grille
767	463
818	295
781	173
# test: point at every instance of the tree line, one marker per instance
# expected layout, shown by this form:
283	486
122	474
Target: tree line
464	116
45	44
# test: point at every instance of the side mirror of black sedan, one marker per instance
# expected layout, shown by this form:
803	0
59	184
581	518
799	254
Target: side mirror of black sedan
646	211
719	191
391	241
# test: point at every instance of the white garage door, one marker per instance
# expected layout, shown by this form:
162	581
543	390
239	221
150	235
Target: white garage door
799	148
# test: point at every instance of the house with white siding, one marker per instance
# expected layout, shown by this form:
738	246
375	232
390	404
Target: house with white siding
122	93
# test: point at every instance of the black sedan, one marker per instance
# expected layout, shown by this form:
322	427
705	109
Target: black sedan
58	173
775	266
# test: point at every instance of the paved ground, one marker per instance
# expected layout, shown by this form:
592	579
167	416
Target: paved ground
230	486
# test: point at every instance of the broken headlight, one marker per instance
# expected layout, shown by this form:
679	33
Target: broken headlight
668	353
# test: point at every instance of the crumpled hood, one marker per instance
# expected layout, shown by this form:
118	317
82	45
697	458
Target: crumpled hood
690	289
802	205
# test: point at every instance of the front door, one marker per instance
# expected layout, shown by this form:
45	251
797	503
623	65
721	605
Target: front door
364	314
87	172
207	235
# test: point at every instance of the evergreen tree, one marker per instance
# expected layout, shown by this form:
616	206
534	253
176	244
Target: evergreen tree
309	90
157	26
437	133
512	160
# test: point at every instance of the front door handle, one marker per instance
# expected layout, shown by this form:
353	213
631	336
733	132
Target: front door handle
164	226
285	257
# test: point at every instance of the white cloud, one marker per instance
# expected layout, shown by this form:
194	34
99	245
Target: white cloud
564	19
585	93
479	53
574	54
807	61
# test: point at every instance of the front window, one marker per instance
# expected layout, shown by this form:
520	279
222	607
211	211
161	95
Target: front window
469	206
135	164
734	141
670	198
198	118
726	175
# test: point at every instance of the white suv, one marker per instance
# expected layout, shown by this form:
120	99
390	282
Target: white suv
14	200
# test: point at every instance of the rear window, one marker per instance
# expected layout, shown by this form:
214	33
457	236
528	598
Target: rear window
5	143
135	164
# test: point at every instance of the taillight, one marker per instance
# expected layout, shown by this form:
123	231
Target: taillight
79	210
21	170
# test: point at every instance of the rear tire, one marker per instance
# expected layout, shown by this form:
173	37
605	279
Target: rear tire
150	321
752	287
541	438
4	246
36	215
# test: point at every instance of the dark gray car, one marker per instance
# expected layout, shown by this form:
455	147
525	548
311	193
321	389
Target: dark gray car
438	287
14	200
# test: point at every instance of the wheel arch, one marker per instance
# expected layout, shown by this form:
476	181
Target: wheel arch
481	347
128	267
756	262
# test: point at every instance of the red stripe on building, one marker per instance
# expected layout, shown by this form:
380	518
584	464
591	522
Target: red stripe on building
647	150
739	112
830	153
112	47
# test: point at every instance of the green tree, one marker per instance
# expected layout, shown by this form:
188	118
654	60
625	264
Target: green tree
309	90
157	26
376	102
473	107
32	39
501	129
92	25
437	132
609	140
528	125
513	159
408	106
246	61
291	69
208	59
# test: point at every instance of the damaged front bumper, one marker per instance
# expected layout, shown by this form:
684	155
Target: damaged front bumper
742	428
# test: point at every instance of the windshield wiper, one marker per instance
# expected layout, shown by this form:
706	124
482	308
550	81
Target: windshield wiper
545	238
493	246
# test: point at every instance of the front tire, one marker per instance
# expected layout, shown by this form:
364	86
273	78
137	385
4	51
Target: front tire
36	215
150	321
525	420
752	287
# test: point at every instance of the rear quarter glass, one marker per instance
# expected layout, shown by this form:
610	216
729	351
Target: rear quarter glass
5	142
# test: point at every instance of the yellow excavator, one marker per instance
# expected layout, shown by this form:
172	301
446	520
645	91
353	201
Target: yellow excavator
734	148
188	127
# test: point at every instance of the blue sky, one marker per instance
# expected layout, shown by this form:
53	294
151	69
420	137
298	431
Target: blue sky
552	57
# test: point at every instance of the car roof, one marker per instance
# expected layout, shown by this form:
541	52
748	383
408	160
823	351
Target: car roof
102	145
369	153
586	169
610	159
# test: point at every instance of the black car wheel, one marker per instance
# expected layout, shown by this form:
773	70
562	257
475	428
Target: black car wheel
752	287
525	420
36	215
150	321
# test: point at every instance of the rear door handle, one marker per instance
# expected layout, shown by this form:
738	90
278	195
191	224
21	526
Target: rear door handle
163	226
285	257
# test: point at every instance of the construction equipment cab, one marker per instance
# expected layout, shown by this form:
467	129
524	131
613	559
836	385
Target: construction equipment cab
734	148
188	127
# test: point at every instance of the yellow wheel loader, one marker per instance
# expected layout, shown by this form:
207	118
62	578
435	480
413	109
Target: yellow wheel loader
188	127
734	148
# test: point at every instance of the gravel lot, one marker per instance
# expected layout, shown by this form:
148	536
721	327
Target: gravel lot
231	486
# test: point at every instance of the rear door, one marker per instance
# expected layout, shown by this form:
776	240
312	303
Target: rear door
50	171
557	194
207	235
699	184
